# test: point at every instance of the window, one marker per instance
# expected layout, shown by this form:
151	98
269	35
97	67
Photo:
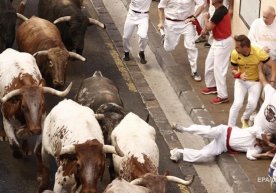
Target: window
249	11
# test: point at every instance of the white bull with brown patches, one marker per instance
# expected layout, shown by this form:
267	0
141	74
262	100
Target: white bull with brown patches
136	139
72	135
22	98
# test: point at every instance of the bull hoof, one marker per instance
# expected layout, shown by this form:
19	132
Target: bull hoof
2	138
39	179
17	154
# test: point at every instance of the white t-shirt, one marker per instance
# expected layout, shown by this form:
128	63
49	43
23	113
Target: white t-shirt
179	9
263	35
266	117
140	5
244	139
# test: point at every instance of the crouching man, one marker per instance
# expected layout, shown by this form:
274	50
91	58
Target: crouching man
225	139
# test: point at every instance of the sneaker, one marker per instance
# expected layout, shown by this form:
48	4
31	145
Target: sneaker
207	45
244	123
200	39
126	56
175	155
142	57
209	90
218	100
177	127
196	77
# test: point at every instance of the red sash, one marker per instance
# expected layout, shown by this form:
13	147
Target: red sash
229	149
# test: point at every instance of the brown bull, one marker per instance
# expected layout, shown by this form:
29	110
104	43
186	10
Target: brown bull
41	38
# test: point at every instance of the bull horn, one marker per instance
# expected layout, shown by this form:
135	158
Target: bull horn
96	22
179	180
61	19
20	16
112	149
57	92
68	149
77	56
10	95
137	181
99	116
44	52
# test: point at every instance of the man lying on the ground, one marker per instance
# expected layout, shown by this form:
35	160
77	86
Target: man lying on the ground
225	139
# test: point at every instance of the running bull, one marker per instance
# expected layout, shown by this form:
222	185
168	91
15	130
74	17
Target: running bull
72	135
70	19
102	96
22	98
42	38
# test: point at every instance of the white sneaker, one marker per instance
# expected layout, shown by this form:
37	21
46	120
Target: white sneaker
175	155
196	77
177	127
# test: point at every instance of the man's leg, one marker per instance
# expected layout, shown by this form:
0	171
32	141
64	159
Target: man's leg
189	43
240	91
221	63
254	92
142	32
206	154
129	27
202	130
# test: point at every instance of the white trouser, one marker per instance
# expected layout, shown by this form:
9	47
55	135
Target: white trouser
214	148
242	87
173	31
133	20
216	65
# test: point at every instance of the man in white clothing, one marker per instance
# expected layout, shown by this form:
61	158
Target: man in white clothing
225	138
176	18
266	117
262	33
138	16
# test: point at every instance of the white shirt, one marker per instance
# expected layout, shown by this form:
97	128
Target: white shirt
179	9
140	5
244	139
266	117
263	35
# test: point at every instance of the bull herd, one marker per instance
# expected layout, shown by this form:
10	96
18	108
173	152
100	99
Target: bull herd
82	134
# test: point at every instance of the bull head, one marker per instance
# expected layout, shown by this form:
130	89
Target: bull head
91	21
74	33
57	59
90	158
32	104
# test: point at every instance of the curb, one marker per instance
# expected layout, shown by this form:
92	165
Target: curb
232	171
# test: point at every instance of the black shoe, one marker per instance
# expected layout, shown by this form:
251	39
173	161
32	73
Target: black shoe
126	56
207	45
142	57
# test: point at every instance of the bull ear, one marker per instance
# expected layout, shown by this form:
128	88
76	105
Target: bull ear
57	92
70	168
96	22
20	16
62	19
77	56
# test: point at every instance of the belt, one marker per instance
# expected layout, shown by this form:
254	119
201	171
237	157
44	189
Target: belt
176	20
139	11
229	149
